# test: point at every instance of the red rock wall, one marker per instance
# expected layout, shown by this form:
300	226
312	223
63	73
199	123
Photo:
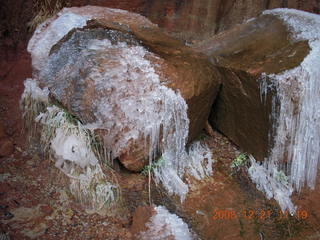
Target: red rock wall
186	19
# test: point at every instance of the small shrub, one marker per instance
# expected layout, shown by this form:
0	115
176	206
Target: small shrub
239	161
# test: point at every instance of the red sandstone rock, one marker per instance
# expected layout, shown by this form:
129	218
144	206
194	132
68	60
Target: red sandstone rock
245	52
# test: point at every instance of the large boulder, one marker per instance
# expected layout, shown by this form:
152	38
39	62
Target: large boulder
121	75
268	101
247	54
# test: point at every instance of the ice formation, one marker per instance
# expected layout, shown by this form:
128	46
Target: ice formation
40	44
154	111
31	89
273	183
70	143
295	110
197	162
165	225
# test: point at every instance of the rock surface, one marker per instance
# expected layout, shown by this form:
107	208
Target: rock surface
245	54
137	51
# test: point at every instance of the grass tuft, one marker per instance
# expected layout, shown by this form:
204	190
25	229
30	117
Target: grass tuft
45	9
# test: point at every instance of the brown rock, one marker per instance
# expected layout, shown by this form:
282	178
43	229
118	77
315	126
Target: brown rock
245	52
179	67
6	147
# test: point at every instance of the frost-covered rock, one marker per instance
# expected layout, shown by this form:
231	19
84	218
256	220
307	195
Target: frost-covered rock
246	54
270	95
142	91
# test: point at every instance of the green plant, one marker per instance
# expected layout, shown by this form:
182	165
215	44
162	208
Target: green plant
239	161
149	168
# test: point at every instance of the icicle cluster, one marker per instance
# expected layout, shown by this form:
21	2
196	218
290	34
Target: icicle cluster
273	183
139	103
165	225
295	112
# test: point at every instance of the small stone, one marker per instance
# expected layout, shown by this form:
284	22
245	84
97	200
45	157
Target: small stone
6	147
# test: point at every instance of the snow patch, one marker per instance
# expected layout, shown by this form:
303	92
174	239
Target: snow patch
72	148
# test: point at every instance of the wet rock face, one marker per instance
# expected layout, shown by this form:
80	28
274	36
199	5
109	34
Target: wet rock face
121	75
245	54
200	19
